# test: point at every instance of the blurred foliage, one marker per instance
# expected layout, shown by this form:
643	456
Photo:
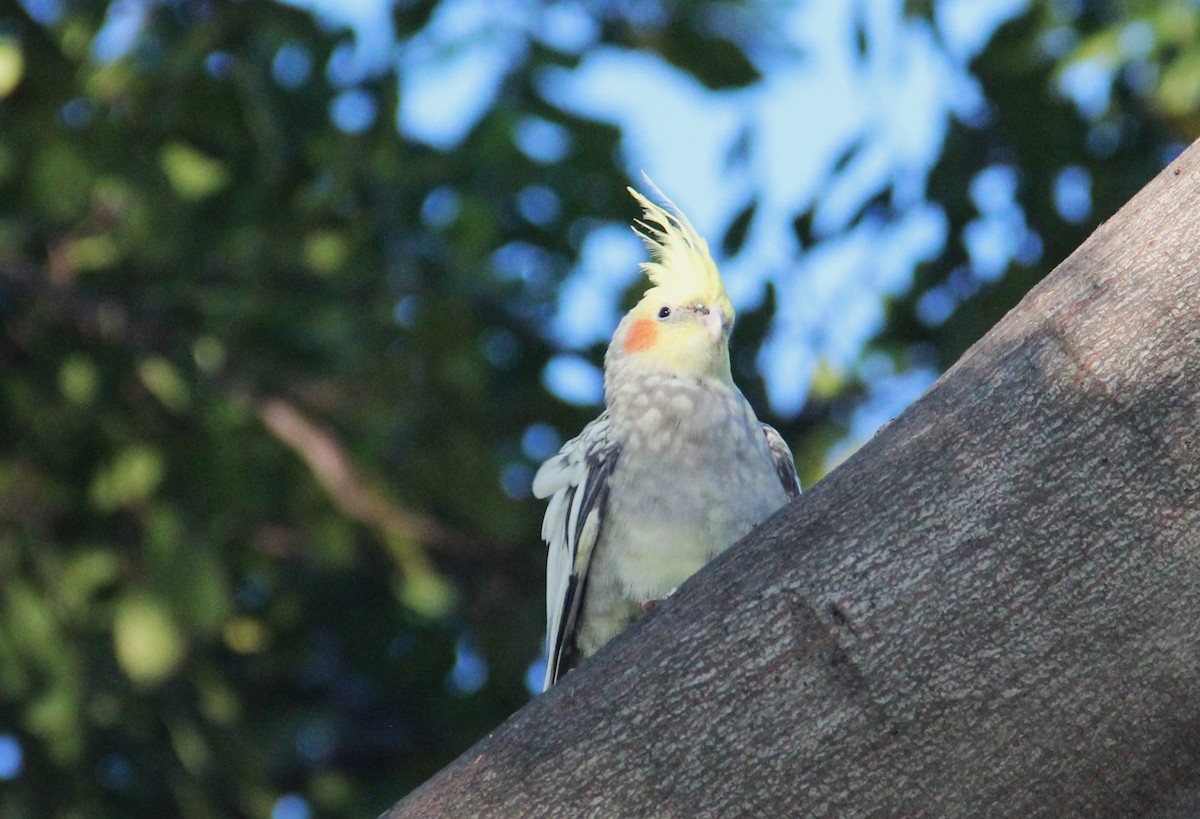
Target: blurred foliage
1072	163
272	389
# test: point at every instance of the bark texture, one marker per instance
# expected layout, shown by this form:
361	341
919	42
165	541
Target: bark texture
991	609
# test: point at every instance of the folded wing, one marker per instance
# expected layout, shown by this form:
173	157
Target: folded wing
782	456
577	481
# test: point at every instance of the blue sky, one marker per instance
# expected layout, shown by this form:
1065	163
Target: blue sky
816	96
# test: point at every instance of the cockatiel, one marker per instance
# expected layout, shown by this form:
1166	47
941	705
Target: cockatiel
676	468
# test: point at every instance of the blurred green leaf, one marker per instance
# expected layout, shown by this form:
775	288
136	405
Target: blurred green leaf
86	573
827	381
1179	87
77	379
245	635
92	252
34	632
162	379
62	181
712	59
53	715
148	644
735	234
193	174
208	353
191	747
325	251
1103	47
427	594
12	65
130	479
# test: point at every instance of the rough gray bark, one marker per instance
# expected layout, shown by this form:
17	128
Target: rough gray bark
992	609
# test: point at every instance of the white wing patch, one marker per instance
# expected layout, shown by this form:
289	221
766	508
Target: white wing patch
577	481
782	456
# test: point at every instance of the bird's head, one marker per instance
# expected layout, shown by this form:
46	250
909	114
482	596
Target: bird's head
682	323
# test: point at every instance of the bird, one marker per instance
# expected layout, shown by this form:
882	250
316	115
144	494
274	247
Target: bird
675	469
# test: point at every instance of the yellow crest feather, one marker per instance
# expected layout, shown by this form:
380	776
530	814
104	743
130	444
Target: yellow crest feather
680	268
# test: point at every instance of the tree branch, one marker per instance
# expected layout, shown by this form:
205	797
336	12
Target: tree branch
54	296
990	609
331	467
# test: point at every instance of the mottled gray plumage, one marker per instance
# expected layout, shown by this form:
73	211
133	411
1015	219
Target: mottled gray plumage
675	470
672	474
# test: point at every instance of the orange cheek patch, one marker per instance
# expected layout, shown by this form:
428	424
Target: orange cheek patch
641	336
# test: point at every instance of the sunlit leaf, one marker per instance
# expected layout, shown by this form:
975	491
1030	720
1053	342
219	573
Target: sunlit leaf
325	251
84	574
1179	88
75	38
164	381
1174	22
149	646
190	746
128	480
245	635
77	380
1103	47
193	175
53	716
107	82
827	381
218	701
12	65
426	594
33	625
92	252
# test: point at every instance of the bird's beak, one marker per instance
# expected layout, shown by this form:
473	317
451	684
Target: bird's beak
714	319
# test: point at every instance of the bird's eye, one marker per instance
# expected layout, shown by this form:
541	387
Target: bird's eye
664	312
